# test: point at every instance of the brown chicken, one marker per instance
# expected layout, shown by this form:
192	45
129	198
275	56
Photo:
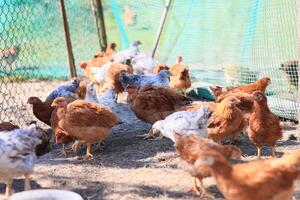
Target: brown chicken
41	110
151	103
259	85
7	126
271	179
113	77
226	120
291	70
86	122
159	67
61	137
197	104
180	78
264	126
218	90
189	148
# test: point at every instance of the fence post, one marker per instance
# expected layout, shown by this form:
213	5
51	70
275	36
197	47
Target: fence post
68	40
100	24
161	26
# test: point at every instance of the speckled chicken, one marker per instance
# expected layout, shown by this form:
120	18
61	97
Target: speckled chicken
86	122
189	148
160	79
17	155
270	179
183	123
68	90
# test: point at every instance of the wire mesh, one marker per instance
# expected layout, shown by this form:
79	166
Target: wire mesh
224	42
33	55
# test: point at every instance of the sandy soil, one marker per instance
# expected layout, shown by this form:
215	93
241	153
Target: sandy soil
129	167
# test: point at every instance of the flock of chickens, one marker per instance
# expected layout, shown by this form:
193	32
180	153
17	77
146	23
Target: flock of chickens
197	128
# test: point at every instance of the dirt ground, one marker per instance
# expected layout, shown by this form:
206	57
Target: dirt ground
129	167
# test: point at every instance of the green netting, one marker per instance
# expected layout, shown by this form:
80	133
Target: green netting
224	42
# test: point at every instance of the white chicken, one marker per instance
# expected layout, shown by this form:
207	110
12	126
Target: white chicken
100	73
127	54
17	155
183	123
143	64
91	93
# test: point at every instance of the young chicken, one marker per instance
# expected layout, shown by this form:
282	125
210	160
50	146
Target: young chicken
68	90
291	70
183	123
189	148
264	126
180	78
17	155
271	179
91	93
160	79
41	110
84	121
259	85
7	126
110	49
151	104
159	67
226	120
113	77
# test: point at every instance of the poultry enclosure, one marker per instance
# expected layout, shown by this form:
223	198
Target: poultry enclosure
223	42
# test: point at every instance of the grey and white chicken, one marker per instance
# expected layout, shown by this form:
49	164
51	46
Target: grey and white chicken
160	79
183	123
68	90
17	155
100	73
127	54
143	64
91	93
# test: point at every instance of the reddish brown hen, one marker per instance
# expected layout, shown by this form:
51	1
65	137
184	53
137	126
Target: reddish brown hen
259	85
159	67
7	126
226	120
86	122
41	110
151	103
264	126
180	78
189	148
271	179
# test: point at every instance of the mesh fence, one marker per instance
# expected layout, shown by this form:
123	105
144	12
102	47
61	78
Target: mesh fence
224	42
33	55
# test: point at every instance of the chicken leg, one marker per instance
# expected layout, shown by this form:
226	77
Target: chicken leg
88	151
273	151
8	190
148	135
27	182
204	192
258	153
194	188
